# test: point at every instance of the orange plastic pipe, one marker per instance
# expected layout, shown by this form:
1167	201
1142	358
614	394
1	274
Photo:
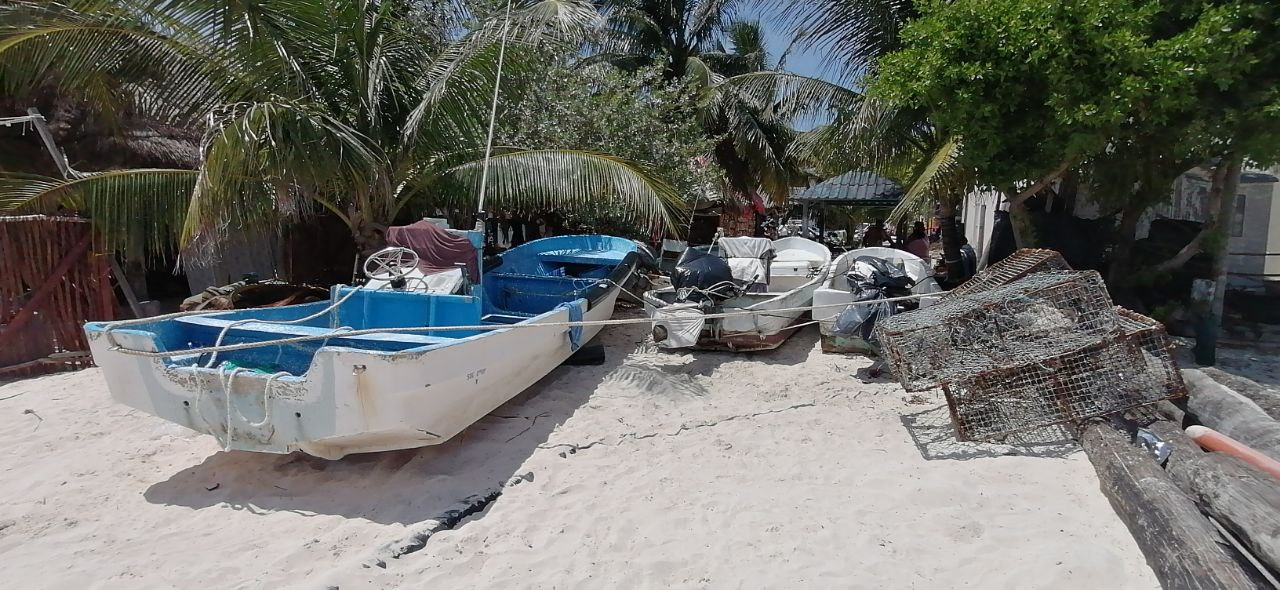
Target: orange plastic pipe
1212	440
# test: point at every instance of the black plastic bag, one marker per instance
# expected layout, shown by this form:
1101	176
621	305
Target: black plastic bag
860	320
869	272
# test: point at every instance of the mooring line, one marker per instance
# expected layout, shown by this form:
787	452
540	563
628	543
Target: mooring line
485	327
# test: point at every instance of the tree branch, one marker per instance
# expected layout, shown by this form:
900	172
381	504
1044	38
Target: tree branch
1217	182
1028	192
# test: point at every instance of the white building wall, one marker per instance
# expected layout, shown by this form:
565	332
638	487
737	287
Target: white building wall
978	216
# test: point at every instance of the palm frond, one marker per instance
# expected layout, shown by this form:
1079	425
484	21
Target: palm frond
794	95
133	210
565	178
264	161
939	178
852	34
105	57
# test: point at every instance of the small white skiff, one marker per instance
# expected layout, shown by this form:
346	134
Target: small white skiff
361	372
777	275
835	290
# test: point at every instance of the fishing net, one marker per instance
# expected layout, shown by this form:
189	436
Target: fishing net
1035	318
1132	368
1020	264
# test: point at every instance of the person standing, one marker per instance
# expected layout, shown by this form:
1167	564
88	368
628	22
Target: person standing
875	235
518	222
918	242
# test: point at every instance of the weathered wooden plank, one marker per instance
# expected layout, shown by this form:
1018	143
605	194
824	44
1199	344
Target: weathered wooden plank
1181	546
1267	399
1214	405
1245	500
46	289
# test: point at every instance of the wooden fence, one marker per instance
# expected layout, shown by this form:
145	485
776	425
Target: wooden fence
51	282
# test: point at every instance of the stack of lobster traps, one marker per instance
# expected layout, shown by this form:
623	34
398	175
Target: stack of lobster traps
1029	344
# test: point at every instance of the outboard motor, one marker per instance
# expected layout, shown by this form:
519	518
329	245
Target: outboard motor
702	278
702	281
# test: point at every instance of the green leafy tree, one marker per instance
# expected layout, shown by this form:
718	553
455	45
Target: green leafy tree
700	42
867	132
363	109
1130	92
639	116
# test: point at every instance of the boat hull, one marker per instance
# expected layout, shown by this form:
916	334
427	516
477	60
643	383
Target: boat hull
762	331
350	400
835	291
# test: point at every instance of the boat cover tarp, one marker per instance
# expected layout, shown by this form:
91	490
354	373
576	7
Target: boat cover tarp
859	321
683	323
438	249
699	269
745	247
576	308
747	258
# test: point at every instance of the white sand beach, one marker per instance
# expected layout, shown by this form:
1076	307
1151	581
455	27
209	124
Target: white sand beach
654	470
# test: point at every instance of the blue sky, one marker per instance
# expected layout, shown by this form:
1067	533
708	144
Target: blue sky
778	36
801	60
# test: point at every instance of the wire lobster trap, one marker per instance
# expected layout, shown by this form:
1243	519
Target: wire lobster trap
1131	369
1020	264
1035	318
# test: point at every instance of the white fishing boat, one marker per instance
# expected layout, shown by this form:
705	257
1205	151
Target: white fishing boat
837	289
370	369
770	278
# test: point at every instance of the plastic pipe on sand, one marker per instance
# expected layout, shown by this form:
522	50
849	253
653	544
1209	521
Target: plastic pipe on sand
1212	440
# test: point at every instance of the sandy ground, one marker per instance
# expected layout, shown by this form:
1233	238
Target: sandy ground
779	469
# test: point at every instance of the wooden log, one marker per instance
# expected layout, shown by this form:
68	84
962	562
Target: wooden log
1245	500
1181	546
1266	399
1214	405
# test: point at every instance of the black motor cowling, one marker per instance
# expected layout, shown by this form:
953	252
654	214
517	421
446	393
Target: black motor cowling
700	276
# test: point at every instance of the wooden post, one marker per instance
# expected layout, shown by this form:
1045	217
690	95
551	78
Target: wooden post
1267	400
125	286
1181	546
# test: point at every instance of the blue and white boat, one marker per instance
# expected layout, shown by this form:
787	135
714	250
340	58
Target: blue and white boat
365	371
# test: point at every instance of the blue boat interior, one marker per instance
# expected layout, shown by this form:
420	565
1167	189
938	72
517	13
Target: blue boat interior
531	280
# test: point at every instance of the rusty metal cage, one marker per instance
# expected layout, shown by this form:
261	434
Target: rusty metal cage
1037	317
1131	369
1020	264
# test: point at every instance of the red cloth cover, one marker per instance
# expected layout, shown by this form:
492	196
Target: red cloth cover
438	249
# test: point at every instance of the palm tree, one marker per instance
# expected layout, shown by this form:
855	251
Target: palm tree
699	41
865	132
361	108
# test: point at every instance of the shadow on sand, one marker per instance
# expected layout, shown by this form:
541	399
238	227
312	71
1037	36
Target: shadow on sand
933	434
650	370
406	486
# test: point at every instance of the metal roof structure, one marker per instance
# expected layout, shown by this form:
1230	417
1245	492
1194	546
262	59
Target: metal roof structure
856	187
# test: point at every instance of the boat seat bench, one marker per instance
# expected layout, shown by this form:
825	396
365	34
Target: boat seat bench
270	331
592	257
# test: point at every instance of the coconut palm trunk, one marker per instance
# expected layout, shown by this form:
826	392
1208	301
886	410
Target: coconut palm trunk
951	238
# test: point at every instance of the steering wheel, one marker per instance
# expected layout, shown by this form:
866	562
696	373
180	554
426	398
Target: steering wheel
390	263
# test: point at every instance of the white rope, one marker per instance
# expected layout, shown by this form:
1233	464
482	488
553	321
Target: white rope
493	108
223	334
266	401
489	327
226	378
